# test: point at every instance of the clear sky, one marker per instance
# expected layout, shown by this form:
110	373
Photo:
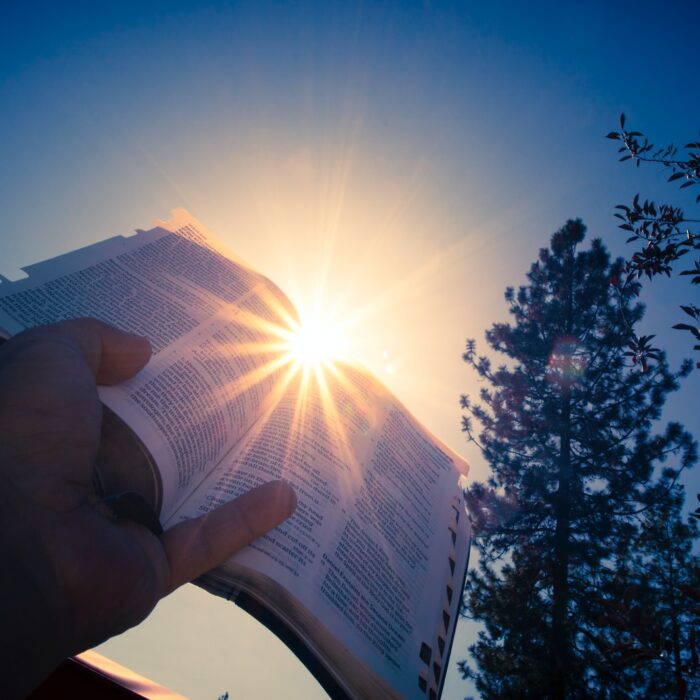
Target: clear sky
403	160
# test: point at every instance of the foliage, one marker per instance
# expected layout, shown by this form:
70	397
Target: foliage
650	633
566	427
663	232
696	513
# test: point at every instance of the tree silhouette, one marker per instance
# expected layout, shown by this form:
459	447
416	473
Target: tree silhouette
566	427
664	233
650	633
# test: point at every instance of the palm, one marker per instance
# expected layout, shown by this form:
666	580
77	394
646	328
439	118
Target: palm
109	573
93	575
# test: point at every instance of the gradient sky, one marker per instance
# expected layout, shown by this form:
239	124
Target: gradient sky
404	161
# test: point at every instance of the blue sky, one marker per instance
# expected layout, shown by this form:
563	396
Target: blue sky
425	151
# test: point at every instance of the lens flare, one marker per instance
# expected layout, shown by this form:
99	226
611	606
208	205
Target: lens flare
315	343
567	361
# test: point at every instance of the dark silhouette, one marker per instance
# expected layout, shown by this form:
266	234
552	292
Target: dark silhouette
566	425
650	631
78	572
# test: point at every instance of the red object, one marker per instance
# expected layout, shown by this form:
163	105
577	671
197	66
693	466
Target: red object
90	675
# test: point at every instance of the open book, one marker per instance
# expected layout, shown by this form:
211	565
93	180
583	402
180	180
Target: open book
364	581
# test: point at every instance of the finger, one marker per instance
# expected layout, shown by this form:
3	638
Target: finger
112	355
197	546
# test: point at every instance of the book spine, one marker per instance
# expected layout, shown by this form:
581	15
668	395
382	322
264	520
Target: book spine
283	631
435	654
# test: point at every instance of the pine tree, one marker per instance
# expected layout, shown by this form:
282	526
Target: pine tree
567	429
650	633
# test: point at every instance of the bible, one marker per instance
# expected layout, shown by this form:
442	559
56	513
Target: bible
364	581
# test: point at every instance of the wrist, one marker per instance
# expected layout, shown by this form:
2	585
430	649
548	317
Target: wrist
33	642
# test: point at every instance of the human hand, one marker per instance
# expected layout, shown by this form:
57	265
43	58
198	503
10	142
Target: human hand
72	575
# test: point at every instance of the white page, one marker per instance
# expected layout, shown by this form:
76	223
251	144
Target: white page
211	322
197	398
368	549
214	326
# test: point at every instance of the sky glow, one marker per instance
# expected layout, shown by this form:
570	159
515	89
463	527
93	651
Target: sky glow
391	166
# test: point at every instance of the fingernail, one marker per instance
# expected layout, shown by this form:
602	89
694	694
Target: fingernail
142	338
285	496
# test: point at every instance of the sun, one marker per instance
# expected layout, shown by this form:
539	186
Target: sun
314	342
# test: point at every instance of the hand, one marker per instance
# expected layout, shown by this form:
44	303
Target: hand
72	576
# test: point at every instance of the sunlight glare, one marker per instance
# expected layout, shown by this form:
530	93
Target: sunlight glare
315	342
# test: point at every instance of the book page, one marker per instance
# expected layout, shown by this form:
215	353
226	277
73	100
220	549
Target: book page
380	531
214	326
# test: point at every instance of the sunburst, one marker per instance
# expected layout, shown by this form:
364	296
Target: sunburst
315	343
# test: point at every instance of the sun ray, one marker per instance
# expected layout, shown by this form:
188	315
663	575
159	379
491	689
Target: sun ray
398	293
352	478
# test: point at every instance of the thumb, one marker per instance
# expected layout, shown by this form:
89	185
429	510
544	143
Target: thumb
196	546
111	354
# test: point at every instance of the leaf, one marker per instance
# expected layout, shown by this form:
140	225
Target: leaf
675	176
612	135
622	120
